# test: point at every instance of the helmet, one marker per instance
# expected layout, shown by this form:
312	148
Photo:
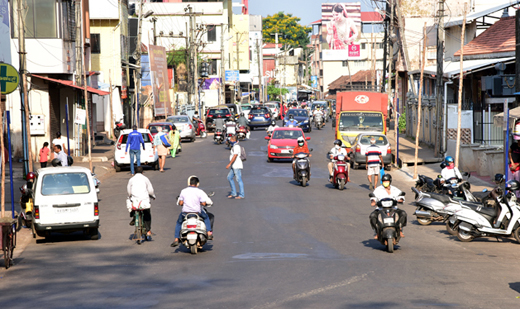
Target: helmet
56	162
291	116
338	142
449	159
512	185
242	114
386	177
30	176
300	140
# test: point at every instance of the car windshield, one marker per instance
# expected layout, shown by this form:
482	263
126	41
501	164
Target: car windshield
259	111
287	134
165	128
361	121
145	136
245	107
219	112
297	113
181	119
380	140
271	105
232	109
65	183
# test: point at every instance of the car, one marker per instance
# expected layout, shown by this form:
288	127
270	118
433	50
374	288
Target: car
360	145
274	109
65	200
219	111
148	156
166	127
260	117
282	143
184	125
245	108
233	108
302	116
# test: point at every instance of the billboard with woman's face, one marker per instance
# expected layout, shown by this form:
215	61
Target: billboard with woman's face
342	28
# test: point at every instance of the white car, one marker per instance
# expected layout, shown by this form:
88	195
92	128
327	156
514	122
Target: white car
65	200
148	157
274	109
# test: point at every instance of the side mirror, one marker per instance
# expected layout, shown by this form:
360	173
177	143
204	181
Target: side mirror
443	165
311	149
211	194
308	138
402	193
267	137
371	195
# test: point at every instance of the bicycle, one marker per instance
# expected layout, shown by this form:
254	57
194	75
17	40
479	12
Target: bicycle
140	229
8	241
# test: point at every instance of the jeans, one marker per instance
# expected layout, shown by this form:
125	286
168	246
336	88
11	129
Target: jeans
238	174
178	227
137	154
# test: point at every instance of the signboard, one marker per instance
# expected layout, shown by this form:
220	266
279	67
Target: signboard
9	78
232	75
159	80
81	116
314	80
5	33
342	24
211	84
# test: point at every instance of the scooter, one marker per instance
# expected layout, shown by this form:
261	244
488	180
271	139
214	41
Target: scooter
501	221
218	137
241	133
230	131
388	230
194	234
201	129
119	126
318	121
302	168
27	205
340	176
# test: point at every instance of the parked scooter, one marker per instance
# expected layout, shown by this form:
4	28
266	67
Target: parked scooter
218	137
388	230
340	176
26	203
119	126
194	234
302	168
201	128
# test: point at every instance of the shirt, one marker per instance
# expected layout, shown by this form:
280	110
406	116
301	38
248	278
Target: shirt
336	151
219	123
192	197
381	193
139	190
447	173
44	154
62	157
291	123
59	141
373	152
242	121
299	149
134	140
157	139
238	162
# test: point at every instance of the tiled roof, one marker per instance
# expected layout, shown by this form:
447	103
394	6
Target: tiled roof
371	16
344	81
498	38
272	45
318	22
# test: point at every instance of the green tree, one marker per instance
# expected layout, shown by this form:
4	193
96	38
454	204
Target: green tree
289	29
274	92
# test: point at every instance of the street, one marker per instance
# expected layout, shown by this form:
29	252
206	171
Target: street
283	246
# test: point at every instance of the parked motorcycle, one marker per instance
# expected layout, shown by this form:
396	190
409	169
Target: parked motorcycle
340	176
302	168
194	234
119	126
201	128
218	137
388	230
241	133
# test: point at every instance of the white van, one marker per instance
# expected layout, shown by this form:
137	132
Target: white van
65	200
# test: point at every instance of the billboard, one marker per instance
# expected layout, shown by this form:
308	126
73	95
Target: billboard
211	83
342	26
5	34
159	81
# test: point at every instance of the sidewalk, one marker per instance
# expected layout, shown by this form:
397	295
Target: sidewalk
407	151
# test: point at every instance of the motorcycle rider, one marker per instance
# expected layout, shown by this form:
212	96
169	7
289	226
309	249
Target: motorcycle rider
316	112
336	150
139	191
242	121
220	125
230	127
302	147
191	199
450	170
291	122
385	191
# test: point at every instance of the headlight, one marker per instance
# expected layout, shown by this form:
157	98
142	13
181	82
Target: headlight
274	147
306	121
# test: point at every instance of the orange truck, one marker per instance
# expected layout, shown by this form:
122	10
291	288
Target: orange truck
360	112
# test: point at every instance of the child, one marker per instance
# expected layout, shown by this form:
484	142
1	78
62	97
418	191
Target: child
44	155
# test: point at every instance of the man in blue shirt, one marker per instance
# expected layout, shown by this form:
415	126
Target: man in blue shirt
291	122
134	140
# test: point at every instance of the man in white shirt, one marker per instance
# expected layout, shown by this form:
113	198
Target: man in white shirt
139	191
387	191
59	141
336	150
60	155
235	165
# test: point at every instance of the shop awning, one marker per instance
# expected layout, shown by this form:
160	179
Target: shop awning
452	68
71	84
514	114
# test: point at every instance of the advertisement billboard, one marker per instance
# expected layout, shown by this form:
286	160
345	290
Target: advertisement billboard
159	80
5	35
211	84
342	26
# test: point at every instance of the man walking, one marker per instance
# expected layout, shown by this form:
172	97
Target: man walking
373	159
236	166
134	141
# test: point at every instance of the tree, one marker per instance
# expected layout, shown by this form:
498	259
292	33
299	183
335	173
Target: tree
274	92
289	29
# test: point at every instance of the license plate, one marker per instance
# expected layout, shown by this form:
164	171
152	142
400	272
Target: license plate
192	236
285	151
66	210
259	118
388	220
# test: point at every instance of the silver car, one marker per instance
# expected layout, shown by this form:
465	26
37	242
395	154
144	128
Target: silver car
184	124
360	145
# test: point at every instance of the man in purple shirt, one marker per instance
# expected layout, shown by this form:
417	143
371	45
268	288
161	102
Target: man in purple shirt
192	199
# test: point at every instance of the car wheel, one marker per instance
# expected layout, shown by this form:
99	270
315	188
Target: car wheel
192	139
117	167
156	165
270	159
94	234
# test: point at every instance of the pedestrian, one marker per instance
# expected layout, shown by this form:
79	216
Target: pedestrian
175	140
60	155
59	141
514	161
373	159
134	141
235	167
159	147
44	154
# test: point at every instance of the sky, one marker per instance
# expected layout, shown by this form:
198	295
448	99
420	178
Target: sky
308	10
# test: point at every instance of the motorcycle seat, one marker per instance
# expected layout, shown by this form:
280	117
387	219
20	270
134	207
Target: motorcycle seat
477	207
440	197
480	195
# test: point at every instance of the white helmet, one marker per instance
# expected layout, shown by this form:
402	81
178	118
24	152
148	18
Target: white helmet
300	140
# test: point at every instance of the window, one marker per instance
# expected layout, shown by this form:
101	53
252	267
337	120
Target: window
65	183
380	45
363	45
40	19
344	63
212	33
212	66
95	43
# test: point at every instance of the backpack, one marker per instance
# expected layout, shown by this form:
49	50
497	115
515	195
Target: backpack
243	155
165	141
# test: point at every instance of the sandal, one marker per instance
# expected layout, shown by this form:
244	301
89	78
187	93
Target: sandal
238	198
231	196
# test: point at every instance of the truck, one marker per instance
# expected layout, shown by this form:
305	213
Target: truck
360	112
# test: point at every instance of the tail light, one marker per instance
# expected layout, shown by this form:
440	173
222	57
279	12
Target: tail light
96	209
191	226
389	150
190	126
150	136
250	116
119	142
210	116
228	115
358	148
36	212
267	116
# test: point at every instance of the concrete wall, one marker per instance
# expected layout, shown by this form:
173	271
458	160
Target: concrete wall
45	56
109	60
485	161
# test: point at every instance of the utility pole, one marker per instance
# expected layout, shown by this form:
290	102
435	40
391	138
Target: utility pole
419	107
461	78
138	63
373	64
111	107
79	49
391	48
439	95
154	20
260	90
404	46
188	63
222	68
385	44
87	112
26	133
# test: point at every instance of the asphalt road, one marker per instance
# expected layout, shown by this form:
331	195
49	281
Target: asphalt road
283	246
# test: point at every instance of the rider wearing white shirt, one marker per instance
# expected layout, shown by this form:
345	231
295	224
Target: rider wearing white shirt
387	191
139	191
336	150
450	170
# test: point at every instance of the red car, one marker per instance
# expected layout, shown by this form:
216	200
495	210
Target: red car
282	142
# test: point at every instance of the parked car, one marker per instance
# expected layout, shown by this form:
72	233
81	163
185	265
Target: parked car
148	157
360	145
184	125
302	116
220	111
274	109
282	143
65	200
166	127
260	117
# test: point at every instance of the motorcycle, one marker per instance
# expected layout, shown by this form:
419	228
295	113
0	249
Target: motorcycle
241	133
119	126
27	206
201	129
503	220
218	137
230	131
302	168
388	230
194	234
340	176
318	121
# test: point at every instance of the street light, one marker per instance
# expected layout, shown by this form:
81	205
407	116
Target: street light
147	14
